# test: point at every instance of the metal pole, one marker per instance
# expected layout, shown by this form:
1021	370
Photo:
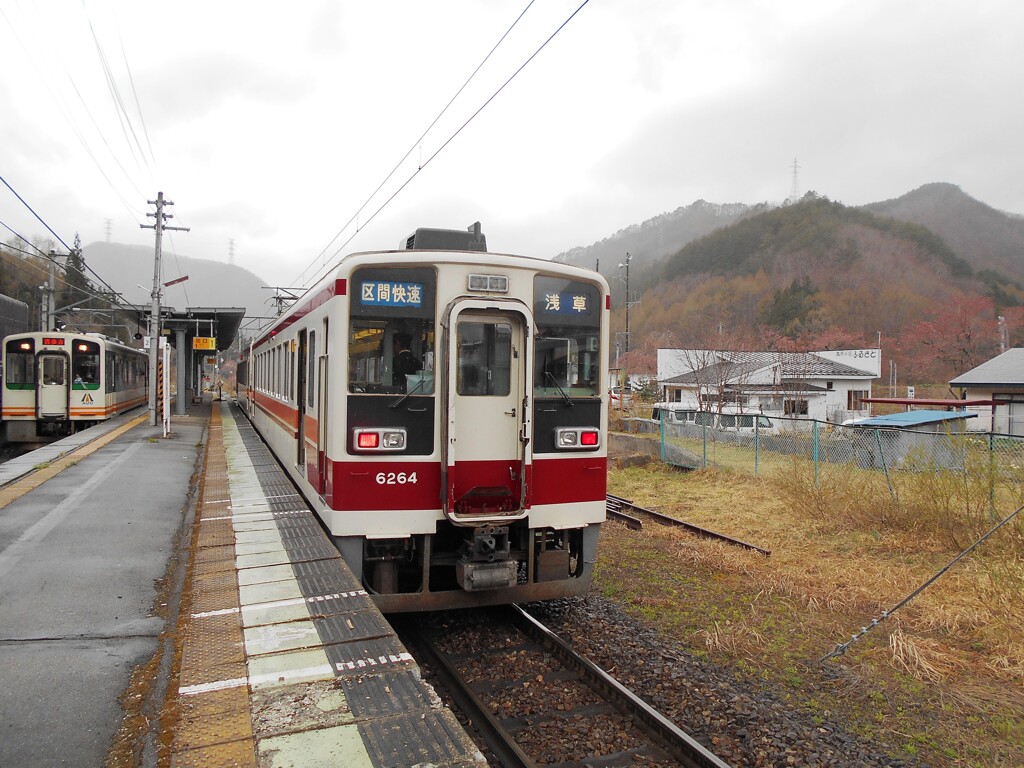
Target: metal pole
154	310
627	302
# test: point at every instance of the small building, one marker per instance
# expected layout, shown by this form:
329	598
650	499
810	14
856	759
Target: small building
1001	379
921	421
828	386
922	435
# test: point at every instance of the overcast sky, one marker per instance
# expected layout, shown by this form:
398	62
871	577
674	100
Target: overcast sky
271	124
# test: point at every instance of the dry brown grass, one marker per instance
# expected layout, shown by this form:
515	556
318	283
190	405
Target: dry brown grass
841	554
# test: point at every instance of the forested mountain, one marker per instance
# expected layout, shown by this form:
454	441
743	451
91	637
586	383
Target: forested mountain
657	237
819	274
985	238
128	269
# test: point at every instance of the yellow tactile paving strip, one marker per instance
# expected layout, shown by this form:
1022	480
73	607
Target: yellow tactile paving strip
263	670
211	728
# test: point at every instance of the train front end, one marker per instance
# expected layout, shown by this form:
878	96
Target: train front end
471	465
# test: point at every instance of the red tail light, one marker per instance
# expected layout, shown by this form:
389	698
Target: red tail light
388	439
577	439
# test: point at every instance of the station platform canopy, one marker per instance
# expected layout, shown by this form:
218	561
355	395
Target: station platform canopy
219	323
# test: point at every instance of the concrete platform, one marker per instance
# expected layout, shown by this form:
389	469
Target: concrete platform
248	642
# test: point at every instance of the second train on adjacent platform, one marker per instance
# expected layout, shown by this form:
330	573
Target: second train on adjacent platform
442	409
57	383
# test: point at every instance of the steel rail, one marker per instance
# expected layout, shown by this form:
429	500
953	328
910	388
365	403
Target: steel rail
681	745
499	740
620	503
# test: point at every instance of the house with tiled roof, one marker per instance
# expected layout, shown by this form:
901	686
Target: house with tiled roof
1001	379
828	385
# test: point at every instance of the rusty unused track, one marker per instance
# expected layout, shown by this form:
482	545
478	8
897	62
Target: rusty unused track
615	506
482	698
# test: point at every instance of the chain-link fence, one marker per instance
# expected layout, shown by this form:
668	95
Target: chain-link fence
878	455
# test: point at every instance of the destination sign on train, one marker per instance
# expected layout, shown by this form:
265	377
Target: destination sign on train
566	304
384	293
53	341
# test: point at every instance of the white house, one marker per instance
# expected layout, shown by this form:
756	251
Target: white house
1000	379
828	386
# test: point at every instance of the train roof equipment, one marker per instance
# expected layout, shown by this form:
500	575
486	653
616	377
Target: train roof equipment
427	239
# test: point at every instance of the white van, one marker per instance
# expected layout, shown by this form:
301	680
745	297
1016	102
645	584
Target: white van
729	420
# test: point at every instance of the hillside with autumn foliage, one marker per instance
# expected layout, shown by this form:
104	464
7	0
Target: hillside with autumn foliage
818	274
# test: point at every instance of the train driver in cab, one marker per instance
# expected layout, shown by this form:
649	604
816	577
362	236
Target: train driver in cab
404	362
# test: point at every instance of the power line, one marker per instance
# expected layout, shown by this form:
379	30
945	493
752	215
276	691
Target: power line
40	218
65	112
457	132
46	255
418	141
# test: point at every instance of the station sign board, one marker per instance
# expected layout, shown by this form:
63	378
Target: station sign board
204	342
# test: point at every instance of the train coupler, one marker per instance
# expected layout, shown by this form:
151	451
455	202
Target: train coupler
485	562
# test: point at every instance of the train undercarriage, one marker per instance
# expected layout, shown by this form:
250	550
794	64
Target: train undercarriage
460	567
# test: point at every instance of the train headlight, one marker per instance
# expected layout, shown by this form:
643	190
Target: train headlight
577	438
379	439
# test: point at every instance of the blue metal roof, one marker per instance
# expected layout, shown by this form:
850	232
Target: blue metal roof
915	418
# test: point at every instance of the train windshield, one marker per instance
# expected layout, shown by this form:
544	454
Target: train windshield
19	366
391	331
567	346
85	364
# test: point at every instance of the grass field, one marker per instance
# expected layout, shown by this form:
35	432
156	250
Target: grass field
943	678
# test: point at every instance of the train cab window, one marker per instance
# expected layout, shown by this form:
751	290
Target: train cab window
484	358
85	364
19	366
391	331
567	347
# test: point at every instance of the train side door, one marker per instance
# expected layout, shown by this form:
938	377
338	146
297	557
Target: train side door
321	417
486	434
301	403
53	386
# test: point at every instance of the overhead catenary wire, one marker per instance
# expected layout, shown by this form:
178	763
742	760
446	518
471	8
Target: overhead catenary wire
73	125
66	246
127	127
452	137
418	141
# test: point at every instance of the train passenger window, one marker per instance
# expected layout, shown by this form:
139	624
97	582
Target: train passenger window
484	358
19	367
391	331
567	347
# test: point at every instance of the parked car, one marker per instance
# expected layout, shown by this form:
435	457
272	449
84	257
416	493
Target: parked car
729	420
618	397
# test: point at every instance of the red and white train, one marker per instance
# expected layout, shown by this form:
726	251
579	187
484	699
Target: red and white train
442	409
58	383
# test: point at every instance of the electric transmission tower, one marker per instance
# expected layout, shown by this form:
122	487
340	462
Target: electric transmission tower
794	189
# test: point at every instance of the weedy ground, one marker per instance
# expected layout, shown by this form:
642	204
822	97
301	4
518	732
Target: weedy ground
942	678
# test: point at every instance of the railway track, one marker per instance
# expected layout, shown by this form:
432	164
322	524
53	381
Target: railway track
535	701
616	507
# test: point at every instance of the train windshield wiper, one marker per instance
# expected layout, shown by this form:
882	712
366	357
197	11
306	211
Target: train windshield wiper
405	397
565	397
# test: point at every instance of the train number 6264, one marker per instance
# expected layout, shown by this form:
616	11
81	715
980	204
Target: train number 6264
395	478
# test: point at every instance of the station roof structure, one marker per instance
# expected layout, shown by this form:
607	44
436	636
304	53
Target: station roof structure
220	323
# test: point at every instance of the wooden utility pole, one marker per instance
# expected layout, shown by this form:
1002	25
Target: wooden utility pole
154	311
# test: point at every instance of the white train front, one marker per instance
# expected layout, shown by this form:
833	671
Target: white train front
441	408
57	383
